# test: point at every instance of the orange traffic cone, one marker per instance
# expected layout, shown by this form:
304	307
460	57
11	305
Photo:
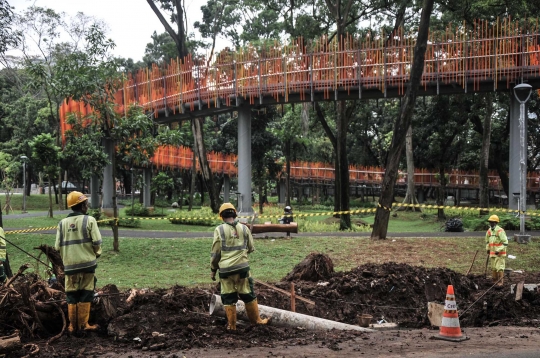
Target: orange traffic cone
450	330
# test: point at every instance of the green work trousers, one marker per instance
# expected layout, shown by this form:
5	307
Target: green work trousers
236	285
497	263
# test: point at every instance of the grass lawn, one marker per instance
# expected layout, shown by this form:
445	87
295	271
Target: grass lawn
165	262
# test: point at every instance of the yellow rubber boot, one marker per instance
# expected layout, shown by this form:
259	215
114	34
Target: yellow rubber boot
252	310
230	310
72	316
84	315
500	277
495	276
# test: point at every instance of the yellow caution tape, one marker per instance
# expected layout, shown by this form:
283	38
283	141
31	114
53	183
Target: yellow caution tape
350	212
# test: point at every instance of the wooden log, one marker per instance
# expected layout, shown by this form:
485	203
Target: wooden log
261	228
10	343
519	290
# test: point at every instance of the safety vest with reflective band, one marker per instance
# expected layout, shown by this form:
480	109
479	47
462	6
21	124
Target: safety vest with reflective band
79	241
2	245
496	241
232	243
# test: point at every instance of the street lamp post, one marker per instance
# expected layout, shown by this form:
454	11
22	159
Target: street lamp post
522	92
24	158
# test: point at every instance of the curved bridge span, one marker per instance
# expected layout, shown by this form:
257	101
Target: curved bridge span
181	158
488	57
478	58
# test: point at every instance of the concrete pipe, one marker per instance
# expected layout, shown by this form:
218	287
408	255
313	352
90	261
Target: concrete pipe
284	318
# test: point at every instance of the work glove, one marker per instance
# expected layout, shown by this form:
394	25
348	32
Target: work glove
496	254
488	252
213	276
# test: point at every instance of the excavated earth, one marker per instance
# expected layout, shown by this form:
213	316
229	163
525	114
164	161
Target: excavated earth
167	321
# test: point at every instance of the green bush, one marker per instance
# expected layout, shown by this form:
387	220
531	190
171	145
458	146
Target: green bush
128	222
95	213
137	210
204	217
507	222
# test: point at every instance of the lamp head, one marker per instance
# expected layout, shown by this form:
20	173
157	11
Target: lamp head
24	157
522	92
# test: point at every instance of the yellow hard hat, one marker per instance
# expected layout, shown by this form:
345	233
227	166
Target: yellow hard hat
494	218
226	206
75	197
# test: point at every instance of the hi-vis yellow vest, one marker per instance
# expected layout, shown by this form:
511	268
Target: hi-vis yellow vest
496	241
230	248
2	245
79	241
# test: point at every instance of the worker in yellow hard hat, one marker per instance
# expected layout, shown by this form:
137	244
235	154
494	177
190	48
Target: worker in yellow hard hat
79	242
232	244
496	244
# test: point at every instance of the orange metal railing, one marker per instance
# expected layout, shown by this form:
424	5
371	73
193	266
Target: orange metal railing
500	52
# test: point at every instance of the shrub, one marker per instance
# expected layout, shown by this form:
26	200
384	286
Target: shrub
95	213
137	210
128	222
204	217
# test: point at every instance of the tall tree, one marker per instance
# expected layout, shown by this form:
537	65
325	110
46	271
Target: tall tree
402	123
176	11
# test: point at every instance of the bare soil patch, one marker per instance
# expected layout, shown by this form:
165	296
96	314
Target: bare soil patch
168	321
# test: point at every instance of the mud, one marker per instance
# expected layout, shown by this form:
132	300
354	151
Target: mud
177	320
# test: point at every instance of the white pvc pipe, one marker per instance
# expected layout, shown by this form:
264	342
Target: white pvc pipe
284	318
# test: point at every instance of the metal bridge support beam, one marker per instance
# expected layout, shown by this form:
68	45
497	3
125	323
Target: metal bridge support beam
226	189
244	161
147	176
108	185
94	192
514	158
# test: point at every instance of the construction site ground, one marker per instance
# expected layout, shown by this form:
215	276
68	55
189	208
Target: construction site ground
175	322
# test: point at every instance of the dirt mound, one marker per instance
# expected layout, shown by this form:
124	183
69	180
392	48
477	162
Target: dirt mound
177	319
314	267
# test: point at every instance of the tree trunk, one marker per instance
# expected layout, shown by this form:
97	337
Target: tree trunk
342	127
198	136
484	156
193	178
441	194
410	196
50	214
382	215
116	242
288	172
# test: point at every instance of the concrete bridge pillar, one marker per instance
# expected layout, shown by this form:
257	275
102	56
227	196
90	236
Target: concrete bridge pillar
514	167
226	189
109	187
147	177
281	191
244	161
94	192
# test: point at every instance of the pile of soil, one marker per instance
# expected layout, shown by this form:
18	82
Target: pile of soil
177	319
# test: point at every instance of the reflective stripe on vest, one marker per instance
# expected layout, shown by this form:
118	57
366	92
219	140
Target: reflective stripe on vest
85	238
224	246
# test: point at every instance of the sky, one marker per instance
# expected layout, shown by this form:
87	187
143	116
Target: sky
130	22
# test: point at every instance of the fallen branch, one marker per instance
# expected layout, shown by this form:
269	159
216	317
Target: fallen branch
50	341
34	349
19	273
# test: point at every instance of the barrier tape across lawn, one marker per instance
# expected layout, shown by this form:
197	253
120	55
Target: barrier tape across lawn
329	213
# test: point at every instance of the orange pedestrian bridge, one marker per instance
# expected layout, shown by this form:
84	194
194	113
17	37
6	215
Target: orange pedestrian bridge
464	58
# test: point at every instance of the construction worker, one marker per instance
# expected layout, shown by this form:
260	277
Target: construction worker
496	243
232	244
79	242
287	217
3	255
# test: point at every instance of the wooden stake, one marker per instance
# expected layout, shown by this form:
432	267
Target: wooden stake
293	298
472	263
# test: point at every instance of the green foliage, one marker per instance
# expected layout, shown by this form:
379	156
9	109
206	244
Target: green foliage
45	153
204	217
95	213
162	183
128	222
507	222
137	210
